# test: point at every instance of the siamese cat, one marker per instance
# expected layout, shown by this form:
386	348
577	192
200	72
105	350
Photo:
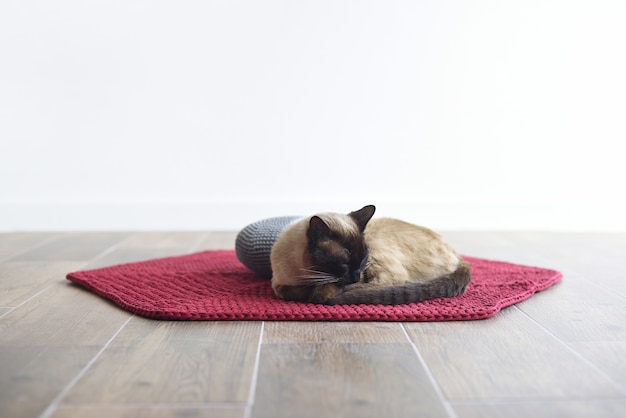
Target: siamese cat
333	258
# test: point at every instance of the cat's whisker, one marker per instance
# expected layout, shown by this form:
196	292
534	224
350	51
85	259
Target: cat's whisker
315	277
315	283
312	272
318	280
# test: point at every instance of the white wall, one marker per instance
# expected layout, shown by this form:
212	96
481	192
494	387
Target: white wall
200	114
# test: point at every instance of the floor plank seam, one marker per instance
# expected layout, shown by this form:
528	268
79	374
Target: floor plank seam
255	374
574	352
2	315
507	401
147	405
104	252
12	309
431	377
57	400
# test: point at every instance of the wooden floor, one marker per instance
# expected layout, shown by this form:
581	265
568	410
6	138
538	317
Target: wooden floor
65	352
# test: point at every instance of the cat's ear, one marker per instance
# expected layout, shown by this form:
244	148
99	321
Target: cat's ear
363	216
317	229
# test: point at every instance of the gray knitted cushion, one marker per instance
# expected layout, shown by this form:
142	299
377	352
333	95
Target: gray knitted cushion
254	243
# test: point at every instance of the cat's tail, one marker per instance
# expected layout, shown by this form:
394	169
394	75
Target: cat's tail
453	284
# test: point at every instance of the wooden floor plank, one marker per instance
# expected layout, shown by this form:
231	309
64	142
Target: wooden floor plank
500	246
76	246
343	380
577	310
562	409
63	315
142	246
14	243
148	412
608	356
219	240
483	244
173	363
333	332
600	261
31	376
505	357
21	280
46	342
163	239
132	255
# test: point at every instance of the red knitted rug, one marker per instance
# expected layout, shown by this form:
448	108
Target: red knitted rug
214	285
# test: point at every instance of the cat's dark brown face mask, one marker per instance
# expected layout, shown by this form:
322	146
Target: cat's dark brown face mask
339	261
339	254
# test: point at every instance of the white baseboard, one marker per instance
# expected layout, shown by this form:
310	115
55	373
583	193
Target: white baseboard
230	214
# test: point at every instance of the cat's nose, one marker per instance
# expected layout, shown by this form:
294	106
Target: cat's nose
356	276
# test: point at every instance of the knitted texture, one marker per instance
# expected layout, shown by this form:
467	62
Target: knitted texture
254	243
214	285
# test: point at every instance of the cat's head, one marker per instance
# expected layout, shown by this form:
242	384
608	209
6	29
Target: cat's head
336	245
